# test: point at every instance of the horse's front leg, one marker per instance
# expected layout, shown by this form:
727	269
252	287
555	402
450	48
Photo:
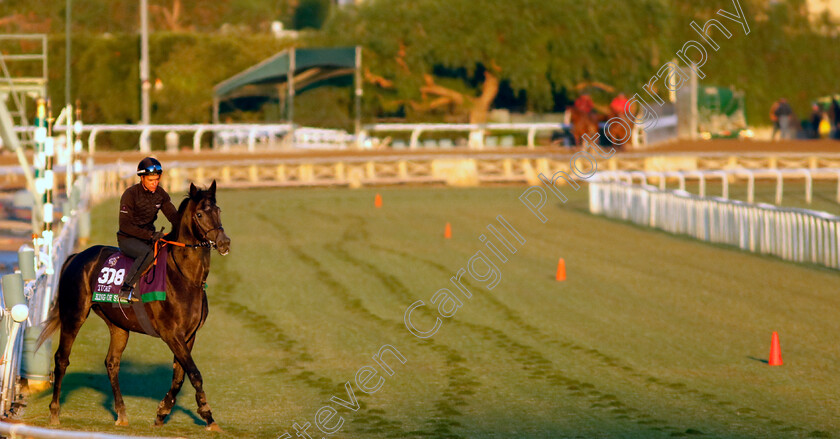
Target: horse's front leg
165	407
180	348
119	338
168	401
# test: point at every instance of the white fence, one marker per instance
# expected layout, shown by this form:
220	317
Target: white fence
798	235
272	136
39	293
724	176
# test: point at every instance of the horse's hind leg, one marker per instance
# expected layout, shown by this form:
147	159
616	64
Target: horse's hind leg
165	406
119	338
62	360
180	348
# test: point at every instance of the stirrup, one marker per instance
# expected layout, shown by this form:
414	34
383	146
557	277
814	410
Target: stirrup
126	295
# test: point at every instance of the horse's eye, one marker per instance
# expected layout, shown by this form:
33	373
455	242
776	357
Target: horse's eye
198	215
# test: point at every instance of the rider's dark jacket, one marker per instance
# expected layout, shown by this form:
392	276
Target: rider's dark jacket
139	208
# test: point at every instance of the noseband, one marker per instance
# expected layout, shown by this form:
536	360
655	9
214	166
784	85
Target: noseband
206	241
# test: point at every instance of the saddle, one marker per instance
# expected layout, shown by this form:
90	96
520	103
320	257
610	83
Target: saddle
151	286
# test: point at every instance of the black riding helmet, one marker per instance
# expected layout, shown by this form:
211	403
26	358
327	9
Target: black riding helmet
149	166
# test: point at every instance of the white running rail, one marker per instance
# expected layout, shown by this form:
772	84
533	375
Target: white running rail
798	235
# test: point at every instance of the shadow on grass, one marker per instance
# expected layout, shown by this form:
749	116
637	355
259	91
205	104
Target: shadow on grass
141	380
762	360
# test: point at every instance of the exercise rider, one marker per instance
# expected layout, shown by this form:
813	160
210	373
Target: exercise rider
139	207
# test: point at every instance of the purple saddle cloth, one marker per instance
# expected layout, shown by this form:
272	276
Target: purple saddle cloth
151	287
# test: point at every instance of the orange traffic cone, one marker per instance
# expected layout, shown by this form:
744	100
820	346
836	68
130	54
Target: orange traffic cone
377	201
775	351
561	270
447	231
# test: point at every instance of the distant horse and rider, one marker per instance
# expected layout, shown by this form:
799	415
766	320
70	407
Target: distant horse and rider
174	314
586	117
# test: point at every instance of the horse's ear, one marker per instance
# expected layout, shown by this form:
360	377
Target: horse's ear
213	187
193	190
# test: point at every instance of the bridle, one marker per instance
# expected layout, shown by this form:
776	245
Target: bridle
206	242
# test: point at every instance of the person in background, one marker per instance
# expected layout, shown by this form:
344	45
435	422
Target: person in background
774	119
813	125
784	115
584	104
835	117
618	105
824	129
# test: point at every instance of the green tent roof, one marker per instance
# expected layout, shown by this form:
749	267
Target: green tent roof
311	65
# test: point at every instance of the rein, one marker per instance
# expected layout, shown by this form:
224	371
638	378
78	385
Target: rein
160	243
207	243
204	244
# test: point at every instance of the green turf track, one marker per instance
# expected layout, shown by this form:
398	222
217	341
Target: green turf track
652	335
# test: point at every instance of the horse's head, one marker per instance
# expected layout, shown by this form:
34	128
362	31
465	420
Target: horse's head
207	218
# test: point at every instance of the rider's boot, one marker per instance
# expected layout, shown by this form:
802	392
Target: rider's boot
126	294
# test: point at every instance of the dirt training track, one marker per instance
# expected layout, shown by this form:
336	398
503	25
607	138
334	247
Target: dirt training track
723	146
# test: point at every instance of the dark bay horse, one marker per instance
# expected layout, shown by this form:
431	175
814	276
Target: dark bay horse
176	320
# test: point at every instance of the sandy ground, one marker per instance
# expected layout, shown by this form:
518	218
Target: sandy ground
793	146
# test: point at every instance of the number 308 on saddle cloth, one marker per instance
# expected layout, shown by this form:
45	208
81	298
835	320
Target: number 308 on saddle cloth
152	286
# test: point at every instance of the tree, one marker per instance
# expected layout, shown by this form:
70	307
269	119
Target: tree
310	14
454	54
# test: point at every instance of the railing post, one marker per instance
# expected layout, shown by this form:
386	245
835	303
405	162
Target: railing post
145	141
14	304
415	136
92	140
197	139
532	134
838	186
808	186
780	187
252	139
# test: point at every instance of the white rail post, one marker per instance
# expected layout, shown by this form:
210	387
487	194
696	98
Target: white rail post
145	141
780	186
252	139
809	186
838	185
14	303
92	140
415	137
701	177
750	184
197	139
532	134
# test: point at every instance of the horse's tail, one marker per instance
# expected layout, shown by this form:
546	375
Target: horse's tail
53	322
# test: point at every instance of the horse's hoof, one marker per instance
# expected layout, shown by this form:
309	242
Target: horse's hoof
121	423
159	422
214	427
54	421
